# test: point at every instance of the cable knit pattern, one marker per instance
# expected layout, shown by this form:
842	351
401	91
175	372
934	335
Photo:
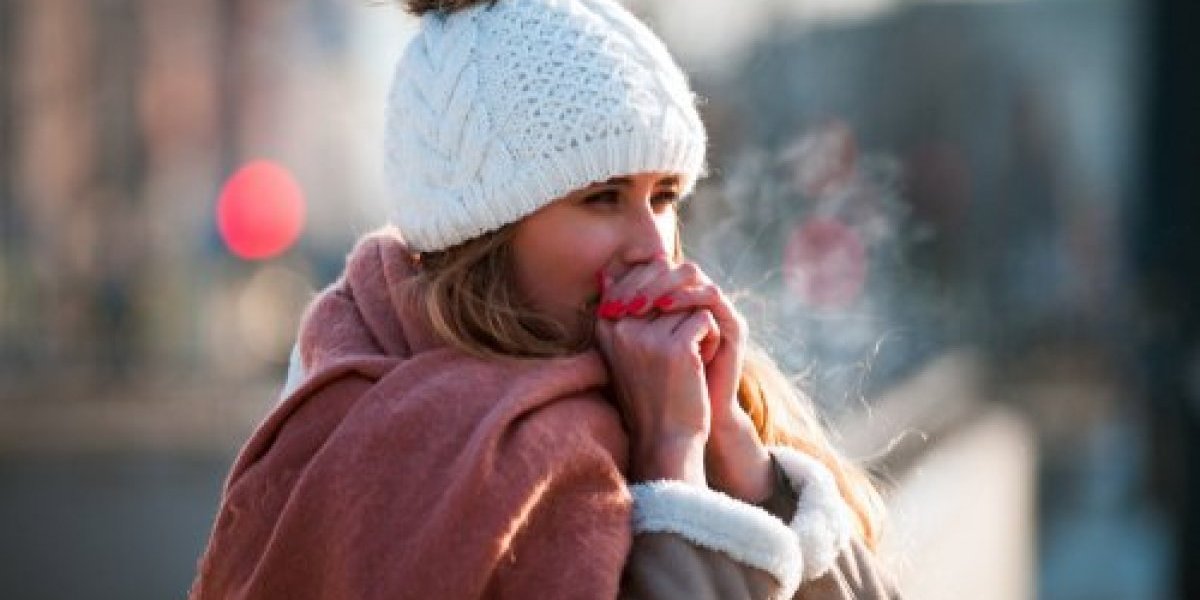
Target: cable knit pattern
496	110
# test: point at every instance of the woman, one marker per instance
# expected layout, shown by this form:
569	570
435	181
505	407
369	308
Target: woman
523	389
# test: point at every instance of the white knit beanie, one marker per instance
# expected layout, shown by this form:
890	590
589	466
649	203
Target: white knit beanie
498	109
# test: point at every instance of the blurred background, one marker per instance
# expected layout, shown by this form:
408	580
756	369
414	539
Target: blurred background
969	226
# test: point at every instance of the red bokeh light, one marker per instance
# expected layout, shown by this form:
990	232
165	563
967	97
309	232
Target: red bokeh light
261	211
825	263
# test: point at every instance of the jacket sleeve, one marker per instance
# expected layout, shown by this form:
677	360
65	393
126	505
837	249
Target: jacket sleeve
856	574
693	543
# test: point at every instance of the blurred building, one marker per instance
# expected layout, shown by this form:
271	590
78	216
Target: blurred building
121	120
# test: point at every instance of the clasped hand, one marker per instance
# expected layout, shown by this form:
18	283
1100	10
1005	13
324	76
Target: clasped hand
675	345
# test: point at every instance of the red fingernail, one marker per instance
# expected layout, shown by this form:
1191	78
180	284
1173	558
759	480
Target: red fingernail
611	309
664	302
622	309
637	303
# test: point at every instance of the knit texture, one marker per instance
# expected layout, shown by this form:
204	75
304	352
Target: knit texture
497	110
403	468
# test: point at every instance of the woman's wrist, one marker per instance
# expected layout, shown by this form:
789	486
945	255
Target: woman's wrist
739	464
675	458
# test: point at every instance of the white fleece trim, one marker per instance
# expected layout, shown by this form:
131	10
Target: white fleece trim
822	523
711	519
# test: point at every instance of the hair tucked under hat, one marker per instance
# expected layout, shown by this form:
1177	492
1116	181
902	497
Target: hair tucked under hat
499	107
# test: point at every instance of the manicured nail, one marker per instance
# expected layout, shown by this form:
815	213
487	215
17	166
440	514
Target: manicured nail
636	305
664	302
621	309
611	310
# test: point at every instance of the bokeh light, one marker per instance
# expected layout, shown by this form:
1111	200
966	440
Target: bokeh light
260	213
269	307
825	263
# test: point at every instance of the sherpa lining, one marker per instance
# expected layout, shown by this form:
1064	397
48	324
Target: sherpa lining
801	551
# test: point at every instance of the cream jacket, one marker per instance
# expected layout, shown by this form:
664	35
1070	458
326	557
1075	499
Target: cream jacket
700	544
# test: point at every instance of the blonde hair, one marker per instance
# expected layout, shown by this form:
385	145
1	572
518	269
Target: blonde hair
471	299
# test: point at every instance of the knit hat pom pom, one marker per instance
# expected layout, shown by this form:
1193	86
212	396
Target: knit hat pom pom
420	7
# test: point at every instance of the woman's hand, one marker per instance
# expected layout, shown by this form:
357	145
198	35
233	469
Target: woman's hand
737	461
660	388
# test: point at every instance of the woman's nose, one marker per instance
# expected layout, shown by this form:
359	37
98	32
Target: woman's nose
647	237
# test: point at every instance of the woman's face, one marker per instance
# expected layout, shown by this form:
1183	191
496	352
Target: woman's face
611	225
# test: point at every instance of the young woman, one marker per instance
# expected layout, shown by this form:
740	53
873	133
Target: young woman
523	389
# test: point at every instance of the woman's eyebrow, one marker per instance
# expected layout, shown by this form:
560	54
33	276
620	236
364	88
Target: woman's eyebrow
617	181
669	180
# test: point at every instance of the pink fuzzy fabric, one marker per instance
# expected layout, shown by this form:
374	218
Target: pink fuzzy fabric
403	468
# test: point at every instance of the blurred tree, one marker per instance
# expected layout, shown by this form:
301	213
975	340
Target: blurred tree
1166	250
8	228
119	173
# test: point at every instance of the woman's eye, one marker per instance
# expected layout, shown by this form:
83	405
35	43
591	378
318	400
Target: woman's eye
666	198
606	197
613	198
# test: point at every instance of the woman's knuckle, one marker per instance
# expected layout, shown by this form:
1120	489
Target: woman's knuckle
739	320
